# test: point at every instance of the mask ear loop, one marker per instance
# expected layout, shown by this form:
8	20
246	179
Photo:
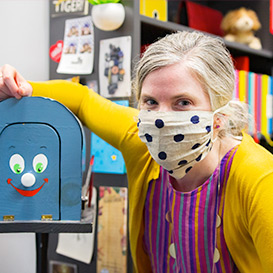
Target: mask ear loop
217	126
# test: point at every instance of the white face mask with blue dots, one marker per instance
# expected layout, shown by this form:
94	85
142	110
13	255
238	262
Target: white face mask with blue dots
176	140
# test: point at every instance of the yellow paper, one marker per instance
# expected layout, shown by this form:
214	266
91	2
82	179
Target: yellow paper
154	8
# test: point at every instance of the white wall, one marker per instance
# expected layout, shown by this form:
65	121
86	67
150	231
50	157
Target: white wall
24	38
24	44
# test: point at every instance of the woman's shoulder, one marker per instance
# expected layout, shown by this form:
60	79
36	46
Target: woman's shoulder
251	163
251	154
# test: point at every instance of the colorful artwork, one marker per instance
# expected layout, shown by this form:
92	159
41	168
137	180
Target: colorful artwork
107	158
115	67
112	230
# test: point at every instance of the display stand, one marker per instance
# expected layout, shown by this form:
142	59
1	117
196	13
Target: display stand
45	226
42	229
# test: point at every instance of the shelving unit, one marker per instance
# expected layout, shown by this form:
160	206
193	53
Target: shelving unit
160	28
261	61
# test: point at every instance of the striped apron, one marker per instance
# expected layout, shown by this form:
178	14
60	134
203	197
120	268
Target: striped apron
184	231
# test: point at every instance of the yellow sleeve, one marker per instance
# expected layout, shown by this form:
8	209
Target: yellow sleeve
248	216
260	219
106	119
117	125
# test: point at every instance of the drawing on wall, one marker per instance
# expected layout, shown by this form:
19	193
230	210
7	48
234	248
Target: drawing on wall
107	158
78	47
115	67
112	230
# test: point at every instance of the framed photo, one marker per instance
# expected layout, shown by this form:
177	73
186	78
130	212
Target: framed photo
61	267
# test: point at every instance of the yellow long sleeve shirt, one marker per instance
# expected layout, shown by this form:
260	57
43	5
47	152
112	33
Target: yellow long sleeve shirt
248	217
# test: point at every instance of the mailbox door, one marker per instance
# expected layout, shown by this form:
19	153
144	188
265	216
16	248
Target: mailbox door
29	171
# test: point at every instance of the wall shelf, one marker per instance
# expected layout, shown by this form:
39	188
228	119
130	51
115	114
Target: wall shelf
156	27
46	226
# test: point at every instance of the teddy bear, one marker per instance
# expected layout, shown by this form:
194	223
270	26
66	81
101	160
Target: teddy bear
239	25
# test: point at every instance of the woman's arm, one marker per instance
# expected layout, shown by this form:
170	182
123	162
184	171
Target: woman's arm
113	123
105	118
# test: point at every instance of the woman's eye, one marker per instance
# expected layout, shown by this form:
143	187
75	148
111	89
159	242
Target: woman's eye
150	102
184	102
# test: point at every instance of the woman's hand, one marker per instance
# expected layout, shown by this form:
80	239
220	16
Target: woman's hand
12	84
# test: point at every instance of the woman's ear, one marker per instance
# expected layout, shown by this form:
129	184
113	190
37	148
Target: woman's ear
217	122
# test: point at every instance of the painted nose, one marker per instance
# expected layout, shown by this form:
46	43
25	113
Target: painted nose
28	180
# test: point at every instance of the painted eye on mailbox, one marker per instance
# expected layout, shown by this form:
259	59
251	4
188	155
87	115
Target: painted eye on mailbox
40	163
17	163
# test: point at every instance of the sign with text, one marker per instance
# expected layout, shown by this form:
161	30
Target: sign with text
69	7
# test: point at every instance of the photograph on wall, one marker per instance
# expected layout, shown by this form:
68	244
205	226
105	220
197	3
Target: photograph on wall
78	47
61	267
115	67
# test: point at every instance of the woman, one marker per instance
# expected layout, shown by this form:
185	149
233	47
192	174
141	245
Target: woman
200	189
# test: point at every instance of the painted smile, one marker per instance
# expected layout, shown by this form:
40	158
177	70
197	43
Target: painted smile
25	192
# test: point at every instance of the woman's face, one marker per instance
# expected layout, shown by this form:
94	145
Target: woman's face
173	88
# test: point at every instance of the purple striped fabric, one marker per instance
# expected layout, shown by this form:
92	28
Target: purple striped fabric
191	225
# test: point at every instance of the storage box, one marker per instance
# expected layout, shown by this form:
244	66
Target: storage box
154	8
41	144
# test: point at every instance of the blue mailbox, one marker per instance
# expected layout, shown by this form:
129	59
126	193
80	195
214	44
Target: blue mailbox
41	144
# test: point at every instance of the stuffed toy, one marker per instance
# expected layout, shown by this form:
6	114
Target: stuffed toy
240	25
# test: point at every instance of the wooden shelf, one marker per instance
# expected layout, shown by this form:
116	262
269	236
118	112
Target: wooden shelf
158	26
247	50
46	226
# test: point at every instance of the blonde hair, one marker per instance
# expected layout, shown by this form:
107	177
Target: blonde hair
208	59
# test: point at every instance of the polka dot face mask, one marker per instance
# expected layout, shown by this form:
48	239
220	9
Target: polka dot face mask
176	140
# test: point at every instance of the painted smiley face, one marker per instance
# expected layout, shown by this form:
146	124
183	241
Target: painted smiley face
28	179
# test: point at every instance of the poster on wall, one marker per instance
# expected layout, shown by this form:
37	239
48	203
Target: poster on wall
115	67
107	158
112	230
78	47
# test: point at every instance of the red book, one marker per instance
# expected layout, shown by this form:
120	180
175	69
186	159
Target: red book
271	17
241	63
200	17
